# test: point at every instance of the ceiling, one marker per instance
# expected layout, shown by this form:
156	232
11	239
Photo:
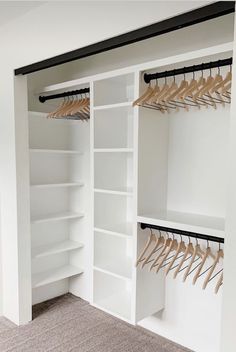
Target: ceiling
10	10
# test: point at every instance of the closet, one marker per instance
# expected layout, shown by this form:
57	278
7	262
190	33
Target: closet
100	186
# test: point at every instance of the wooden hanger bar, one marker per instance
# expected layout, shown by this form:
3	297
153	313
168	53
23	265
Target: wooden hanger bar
189	69
202	14
183	233
42	99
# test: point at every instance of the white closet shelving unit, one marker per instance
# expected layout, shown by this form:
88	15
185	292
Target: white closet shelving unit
59	174
95	182
113	185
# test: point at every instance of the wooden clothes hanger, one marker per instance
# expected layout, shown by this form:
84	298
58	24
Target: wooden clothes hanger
151	238
158	245
189	251
219	283
220	254
167	242
180	249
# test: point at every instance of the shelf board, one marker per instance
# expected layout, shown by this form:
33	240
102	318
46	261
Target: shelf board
57	185
55	248
187	222
122	269
124	229
112	233
118	304
113	150
56	217
55	151
119	191
113	106
54	275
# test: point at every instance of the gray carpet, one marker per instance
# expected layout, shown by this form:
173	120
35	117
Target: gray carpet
69	324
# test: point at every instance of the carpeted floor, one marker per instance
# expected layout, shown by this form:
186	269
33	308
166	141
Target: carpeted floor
69	324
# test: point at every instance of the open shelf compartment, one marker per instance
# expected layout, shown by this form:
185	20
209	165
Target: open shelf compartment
113	128
113	254
114	90
113	295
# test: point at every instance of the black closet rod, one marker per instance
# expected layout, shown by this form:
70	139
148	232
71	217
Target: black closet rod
189	69
42	99
183	233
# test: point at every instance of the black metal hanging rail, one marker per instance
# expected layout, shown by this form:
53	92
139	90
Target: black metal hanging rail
183	233
189	69
42	99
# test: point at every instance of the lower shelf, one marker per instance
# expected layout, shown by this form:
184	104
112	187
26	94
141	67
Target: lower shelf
118	304
54	275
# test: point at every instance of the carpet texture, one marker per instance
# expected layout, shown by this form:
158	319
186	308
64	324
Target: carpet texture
69	324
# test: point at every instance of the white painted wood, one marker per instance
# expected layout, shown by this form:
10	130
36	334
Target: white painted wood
228	337
113	106
114	233
48	277
187	222
54	248
59	151
118	261
120	191
112	295
57	217
56	185
118	120
113	150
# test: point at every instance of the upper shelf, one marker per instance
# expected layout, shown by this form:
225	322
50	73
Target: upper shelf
55	151
187	222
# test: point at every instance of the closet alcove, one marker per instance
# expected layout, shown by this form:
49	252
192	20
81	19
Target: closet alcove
93	182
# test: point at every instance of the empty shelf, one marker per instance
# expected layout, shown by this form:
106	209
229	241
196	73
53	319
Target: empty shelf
57	151
57	185
113	106
54	275
187	222
55	217
119	191
119	268
54	248
118	304
124	229
113	150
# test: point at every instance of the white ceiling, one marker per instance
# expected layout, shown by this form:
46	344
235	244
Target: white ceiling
10	10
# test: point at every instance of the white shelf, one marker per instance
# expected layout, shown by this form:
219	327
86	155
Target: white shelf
54	248
188	222
121	269
118	191
113	150
55	151
56	217
57	185
118	304
113	106
124	229
112	233
54	275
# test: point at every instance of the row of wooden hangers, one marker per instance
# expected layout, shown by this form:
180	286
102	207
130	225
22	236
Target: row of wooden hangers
73	108
202	92
172	254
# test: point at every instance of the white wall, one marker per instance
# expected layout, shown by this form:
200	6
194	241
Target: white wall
49	30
